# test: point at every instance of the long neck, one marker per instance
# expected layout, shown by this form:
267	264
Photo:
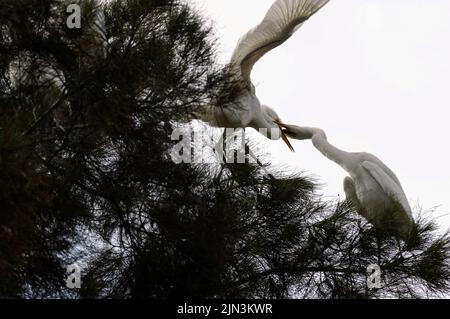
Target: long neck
333	153
305	132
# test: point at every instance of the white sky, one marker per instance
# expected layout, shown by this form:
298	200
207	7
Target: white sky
374	74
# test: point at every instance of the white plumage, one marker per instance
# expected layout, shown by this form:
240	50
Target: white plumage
372	187
281	21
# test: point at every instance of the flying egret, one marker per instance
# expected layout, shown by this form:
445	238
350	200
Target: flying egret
372	188
281	21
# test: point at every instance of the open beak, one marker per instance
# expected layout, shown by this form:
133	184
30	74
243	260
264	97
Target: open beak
284	137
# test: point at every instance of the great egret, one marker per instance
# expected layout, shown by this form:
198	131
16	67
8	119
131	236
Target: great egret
281	21
372	187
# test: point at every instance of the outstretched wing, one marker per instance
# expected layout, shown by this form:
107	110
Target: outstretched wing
389	186
280	22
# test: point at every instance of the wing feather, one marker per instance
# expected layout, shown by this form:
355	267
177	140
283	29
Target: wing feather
281	21
389	186
372	158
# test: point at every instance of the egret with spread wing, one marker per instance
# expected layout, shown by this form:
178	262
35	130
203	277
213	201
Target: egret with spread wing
372	187
281	21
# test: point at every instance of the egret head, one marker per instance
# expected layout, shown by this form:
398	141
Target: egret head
302	132
275	122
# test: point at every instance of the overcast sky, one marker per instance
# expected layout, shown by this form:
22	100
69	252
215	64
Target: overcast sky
374	74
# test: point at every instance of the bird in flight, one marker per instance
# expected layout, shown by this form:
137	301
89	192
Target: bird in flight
280	23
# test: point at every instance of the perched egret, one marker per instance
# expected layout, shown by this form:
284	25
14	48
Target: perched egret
372	188
281	21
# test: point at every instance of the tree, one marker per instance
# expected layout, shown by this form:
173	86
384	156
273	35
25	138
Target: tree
86	175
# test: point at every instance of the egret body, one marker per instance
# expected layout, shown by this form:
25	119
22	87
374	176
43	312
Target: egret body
372	188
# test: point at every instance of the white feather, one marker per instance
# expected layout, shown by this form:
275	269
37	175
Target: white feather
281	21
372	187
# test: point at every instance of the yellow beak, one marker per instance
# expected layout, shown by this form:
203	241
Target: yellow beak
284	137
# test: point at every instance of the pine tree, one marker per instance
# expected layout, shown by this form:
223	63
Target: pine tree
86	175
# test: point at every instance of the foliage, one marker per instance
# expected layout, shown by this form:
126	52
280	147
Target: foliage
85	174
